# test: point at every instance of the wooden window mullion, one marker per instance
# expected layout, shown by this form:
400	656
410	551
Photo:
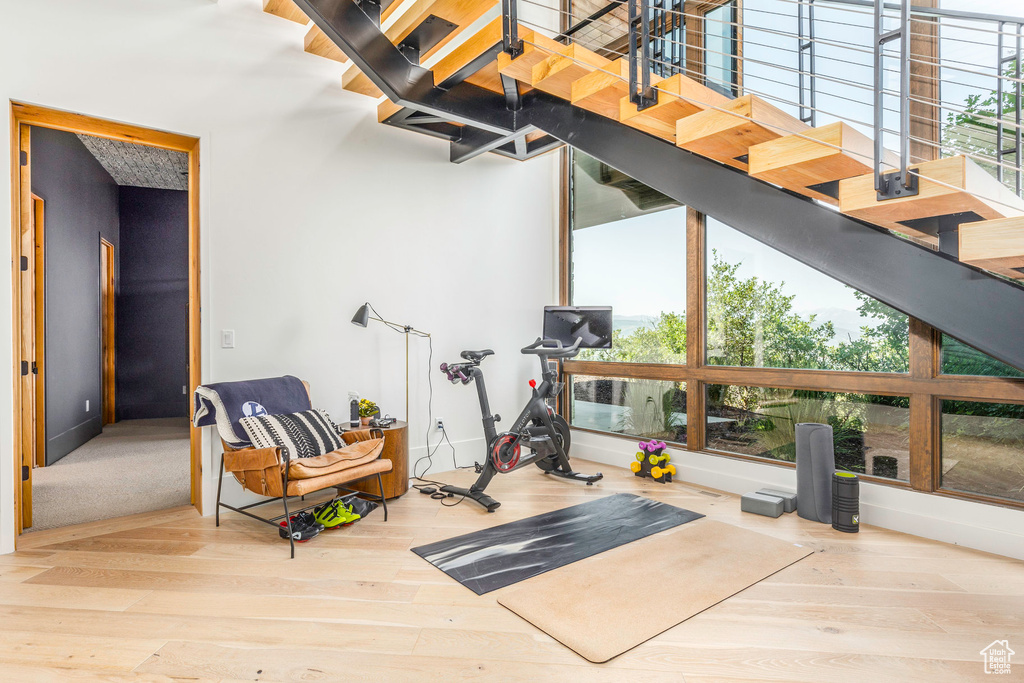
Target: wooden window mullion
696	330
924	451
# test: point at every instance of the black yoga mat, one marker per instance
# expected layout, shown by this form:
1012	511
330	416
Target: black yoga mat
493	558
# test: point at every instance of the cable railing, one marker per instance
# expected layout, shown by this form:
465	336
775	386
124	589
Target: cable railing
815	60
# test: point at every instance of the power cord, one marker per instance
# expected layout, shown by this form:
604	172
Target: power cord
431	451
429	457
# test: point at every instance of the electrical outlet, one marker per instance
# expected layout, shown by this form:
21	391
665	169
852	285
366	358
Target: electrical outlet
87	405
184	390
227	339
440	425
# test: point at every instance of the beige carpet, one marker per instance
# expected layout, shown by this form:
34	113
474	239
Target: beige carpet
609	603
133	466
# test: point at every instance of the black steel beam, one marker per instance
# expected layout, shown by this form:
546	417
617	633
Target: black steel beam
471	67
513	100
520	147
401	81
967	303
475	142
409	119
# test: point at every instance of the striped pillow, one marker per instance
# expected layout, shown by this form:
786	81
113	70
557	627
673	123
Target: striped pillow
305	435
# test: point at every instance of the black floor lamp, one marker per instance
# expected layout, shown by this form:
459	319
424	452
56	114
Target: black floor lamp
362	317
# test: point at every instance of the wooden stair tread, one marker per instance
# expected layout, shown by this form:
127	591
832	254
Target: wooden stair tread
355	80
487	39
996	245
602	91
286	9
557	73
317	43
461	13
678	97
726	136
536	48
471	48
387	109
973	191
802	162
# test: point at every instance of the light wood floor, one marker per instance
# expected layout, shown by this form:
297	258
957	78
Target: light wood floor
166	595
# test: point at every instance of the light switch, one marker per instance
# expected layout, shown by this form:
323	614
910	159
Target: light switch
227	339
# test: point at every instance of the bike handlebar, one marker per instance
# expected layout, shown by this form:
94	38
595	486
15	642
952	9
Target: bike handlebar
541	348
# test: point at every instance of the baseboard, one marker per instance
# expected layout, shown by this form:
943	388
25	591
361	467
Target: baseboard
990	528
65	442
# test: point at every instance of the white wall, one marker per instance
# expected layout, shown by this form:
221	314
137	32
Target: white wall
309	207
984	527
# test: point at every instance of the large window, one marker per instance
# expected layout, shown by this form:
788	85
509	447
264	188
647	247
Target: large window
646	408
770	322
870	433
960	359
629	252
983	448
721	67
767	310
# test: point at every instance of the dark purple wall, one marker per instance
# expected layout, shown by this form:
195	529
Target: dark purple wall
81	205
152	304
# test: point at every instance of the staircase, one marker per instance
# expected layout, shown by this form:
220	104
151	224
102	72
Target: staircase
481	99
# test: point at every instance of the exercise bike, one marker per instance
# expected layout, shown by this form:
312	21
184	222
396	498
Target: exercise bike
537	429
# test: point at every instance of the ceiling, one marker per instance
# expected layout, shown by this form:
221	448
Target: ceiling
139	165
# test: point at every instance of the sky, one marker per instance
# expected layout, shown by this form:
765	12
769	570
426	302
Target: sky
645	273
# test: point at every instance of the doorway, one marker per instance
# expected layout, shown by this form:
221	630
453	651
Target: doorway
29	244
108	344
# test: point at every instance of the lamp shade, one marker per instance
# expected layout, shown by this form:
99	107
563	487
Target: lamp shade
362	316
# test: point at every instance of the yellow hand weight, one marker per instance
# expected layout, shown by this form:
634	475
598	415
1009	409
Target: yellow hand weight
635	466
656	472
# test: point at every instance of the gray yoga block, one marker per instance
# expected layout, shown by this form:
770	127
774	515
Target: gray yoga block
760	504
788	498
815	465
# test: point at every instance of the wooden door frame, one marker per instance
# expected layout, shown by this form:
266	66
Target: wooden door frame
23	114
108	344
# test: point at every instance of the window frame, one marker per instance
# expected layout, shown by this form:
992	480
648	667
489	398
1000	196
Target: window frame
695	14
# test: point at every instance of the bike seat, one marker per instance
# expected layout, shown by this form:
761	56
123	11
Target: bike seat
476	356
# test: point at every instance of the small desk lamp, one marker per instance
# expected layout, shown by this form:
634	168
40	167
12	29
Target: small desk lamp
363	316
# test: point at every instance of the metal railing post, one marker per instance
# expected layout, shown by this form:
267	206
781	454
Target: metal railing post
1002	151
900	183
640	91
510	41
805	65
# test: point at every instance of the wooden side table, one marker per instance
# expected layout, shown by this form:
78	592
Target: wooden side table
396	449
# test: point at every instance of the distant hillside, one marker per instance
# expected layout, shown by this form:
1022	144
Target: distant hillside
631	323
847	322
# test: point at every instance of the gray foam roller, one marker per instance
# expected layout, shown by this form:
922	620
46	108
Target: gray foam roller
815	465
760	504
